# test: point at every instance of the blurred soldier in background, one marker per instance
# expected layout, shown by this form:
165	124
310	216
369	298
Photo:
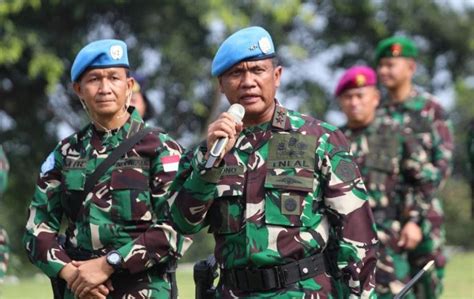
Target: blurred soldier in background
284	182
419	112
470	153
110	180
4	243
139	99
390	163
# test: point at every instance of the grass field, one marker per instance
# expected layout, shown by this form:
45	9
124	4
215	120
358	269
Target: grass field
459	283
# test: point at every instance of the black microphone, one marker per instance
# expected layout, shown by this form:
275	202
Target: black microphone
410	284
237	111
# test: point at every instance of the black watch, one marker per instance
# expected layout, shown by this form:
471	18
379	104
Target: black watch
114	259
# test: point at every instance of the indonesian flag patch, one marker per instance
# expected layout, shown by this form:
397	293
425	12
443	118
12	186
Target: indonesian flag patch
170	163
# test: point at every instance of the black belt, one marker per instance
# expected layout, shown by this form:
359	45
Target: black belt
264	279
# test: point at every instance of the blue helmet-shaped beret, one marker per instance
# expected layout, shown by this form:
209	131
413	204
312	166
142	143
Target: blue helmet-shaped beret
100	54
251	43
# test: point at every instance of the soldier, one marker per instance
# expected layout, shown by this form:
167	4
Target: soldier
285	182
388	158
139	99
470	153
119	242
4	242
419	112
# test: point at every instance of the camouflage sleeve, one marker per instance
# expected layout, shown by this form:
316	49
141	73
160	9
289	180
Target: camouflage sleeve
4	168
470	146
346	195
414	161
193	192
441	151
44	219
160	242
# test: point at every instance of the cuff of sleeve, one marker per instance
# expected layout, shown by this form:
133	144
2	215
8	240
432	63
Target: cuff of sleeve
207	175
53	269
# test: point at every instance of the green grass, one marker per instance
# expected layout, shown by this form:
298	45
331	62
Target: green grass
459	283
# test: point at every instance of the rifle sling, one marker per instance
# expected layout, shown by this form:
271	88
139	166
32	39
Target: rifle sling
121	150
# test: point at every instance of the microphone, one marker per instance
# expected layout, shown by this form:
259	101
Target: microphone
410	284
237	111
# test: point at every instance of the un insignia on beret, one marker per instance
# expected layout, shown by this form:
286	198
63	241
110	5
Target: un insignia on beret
265	45
116	52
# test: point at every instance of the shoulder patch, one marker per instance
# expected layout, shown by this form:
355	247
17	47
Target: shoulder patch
48	164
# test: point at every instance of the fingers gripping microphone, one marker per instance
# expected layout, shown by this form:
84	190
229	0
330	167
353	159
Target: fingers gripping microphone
237	111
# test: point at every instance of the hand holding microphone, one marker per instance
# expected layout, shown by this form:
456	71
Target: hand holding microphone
223	132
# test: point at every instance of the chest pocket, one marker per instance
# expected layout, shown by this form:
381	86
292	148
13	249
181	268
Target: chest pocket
226	213
73	186
129	185
290	185
383	155
418	123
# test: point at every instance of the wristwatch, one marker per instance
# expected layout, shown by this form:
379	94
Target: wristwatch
114	259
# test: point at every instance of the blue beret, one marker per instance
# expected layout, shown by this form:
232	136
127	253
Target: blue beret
100	54
252	43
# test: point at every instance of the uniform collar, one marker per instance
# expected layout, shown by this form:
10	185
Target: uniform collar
133	124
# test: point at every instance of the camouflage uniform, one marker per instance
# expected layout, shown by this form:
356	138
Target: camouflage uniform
470	153
127	209
4	243
428	122
389	159
265	203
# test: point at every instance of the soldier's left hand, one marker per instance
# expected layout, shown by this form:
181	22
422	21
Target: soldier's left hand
410	236
91	273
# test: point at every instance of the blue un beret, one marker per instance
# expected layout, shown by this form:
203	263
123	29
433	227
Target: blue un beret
103	53
251	43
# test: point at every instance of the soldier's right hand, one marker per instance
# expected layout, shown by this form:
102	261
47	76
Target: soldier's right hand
222	127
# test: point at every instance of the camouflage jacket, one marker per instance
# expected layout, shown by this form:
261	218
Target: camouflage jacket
4	167
470	147
428	121
264	202
391	163
127	209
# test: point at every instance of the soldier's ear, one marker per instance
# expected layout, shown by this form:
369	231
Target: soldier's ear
412	65
277	74
76	86
219	79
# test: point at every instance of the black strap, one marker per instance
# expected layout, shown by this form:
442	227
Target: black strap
264	279
121	150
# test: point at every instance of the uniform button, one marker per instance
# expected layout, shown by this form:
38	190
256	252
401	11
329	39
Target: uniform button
305	270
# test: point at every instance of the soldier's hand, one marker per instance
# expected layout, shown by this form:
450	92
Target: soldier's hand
224	126
100	292
68	273
90	274
410	236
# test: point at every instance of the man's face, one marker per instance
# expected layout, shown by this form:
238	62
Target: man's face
359	105
104	91
395	71
252	84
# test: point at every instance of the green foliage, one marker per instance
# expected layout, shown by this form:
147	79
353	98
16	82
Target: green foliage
457	203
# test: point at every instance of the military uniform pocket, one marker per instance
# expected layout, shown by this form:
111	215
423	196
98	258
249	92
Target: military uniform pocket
226	215
72	196
130	195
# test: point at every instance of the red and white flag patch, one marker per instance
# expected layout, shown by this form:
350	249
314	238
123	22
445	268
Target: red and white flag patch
170	163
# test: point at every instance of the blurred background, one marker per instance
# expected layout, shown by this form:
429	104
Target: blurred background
171	46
